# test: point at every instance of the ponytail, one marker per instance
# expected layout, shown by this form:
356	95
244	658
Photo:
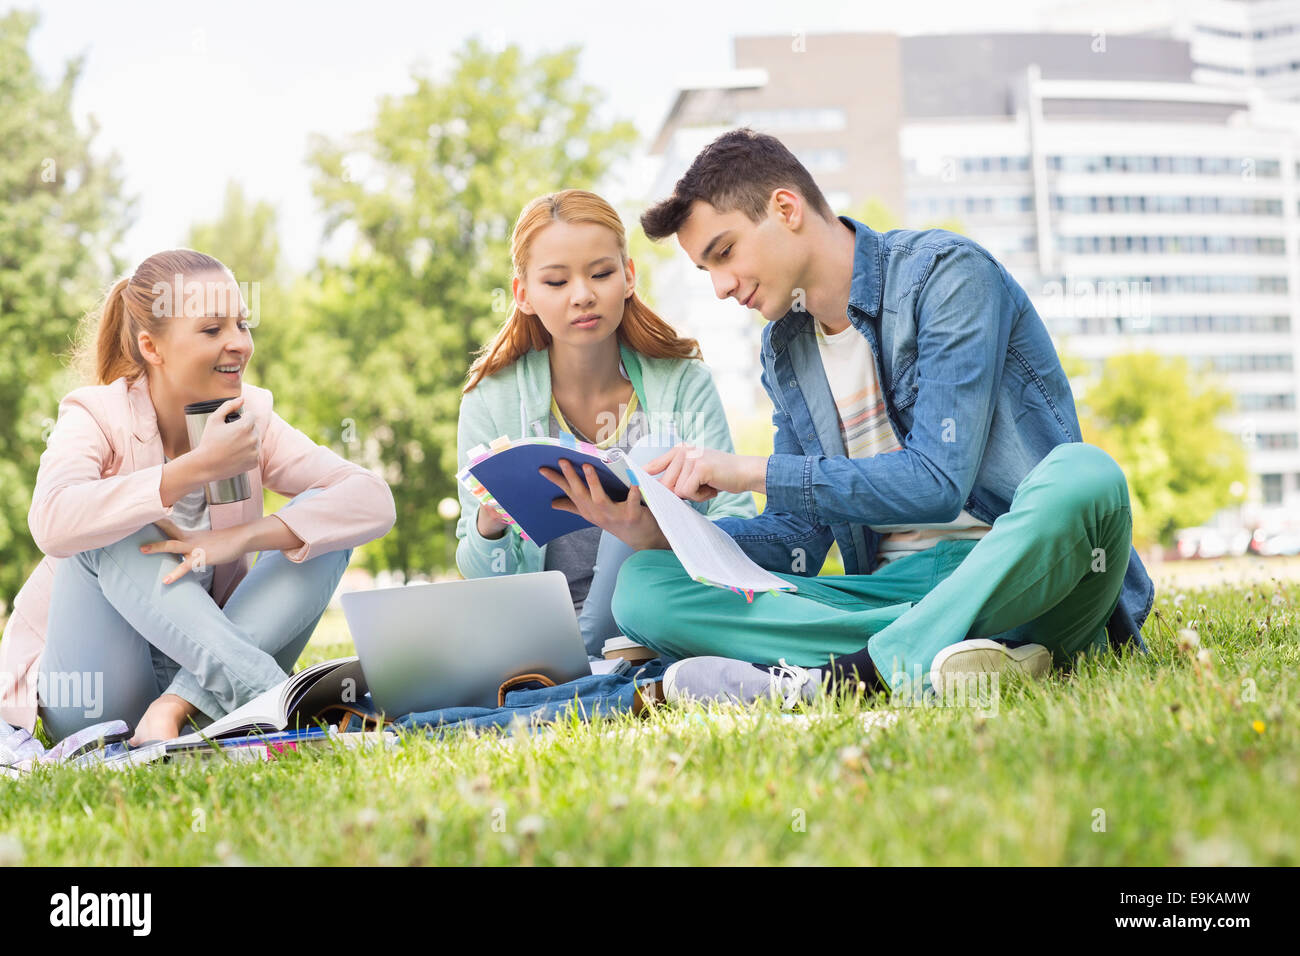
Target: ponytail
114	348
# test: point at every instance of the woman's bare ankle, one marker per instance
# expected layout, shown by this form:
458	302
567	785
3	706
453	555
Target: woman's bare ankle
164	720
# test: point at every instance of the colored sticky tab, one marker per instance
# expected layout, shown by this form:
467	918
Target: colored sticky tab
500	444
567	440
747	594
477	454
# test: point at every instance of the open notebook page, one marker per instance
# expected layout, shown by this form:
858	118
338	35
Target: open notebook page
707	552
270	709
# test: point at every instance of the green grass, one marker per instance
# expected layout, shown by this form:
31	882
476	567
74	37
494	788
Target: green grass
1191	762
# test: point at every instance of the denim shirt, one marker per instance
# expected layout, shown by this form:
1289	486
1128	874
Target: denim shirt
973	388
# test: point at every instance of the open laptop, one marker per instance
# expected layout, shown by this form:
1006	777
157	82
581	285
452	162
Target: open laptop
452	644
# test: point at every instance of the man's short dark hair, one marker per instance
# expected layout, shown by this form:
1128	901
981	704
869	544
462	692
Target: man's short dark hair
738	170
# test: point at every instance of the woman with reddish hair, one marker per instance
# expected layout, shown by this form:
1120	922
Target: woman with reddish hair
582	354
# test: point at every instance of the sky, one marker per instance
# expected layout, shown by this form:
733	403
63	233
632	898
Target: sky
251	81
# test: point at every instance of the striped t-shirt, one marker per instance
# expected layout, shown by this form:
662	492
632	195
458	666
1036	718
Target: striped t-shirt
864	425
191	514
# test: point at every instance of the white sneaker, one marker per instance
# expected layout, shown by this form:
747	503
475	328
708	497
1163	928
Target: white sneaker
982	656
740	682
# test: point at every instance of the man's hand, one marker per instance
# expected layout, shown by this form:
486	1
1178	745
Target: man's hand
628	521
200	548
698	474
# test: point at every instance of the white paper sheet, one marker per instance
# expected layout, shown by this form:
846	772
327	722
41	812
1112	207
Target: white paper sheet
707	552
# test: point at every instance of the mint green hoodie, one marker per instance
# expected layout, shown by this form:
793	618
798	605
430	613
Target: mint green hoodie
516	402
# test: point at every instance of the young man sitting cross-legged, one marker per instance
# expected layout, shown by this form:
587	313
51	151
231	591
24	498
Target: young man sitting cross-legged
923	422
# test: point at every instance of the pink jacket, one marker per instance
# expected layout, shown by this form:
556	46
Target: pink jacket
98	482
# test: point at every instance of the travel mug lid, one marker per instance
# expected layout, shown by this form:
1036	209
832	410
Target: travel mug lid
208	406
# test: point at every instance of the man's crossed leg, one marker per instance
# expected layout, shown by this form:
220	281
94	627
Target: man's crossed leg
1048	573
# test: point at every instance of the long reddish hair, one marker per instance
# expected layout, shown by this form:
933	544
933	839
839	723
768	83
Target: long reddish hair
641	329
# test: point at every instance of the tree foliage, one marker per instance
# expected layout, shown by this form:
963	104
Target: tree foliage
1158	420
61	216
424	201
245	237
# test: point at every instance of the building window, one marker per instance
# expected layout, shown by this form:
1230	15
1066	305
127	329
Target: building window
1187	165
974	167
1169	205
1266	401
1270	362
1276	441
1271	489
1194	284
821	160
1182	245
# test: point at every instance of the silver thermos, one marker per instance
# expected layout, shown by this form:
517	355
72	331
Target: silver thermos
224	491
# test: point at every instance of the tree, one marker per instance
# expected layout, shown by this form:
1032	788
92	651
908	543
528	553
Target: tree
245	237
61	217
1158	421
426	198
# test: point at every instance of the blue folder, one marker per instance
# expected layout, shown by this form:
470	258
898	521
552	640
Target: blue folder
511	477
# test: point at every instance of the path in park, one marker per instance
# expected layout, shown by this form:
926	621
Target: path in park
1209	572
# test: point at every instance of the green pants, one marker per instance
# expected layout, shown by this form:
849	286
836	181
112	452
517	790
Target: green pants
1049	572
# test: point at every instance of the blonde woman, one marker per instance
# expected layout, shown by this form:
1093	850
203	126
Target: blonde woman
145	604
582	354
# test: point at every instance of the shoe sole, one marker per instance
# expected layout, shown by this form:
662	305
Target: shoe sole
982	656
668	683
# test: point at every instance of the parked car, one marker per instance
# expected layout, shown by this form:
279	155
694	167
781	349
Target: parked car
1212	542
1270	543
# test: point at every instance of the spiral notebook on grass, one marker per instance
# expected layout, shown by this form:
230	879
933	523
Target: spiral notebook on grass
505	477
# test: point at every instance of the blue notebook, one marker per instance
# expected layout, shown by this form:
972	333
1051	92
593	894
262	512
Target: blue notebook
505	476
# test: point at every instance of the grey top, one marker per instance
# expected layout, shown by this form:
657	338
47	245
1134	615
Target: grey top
191	514
575	553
